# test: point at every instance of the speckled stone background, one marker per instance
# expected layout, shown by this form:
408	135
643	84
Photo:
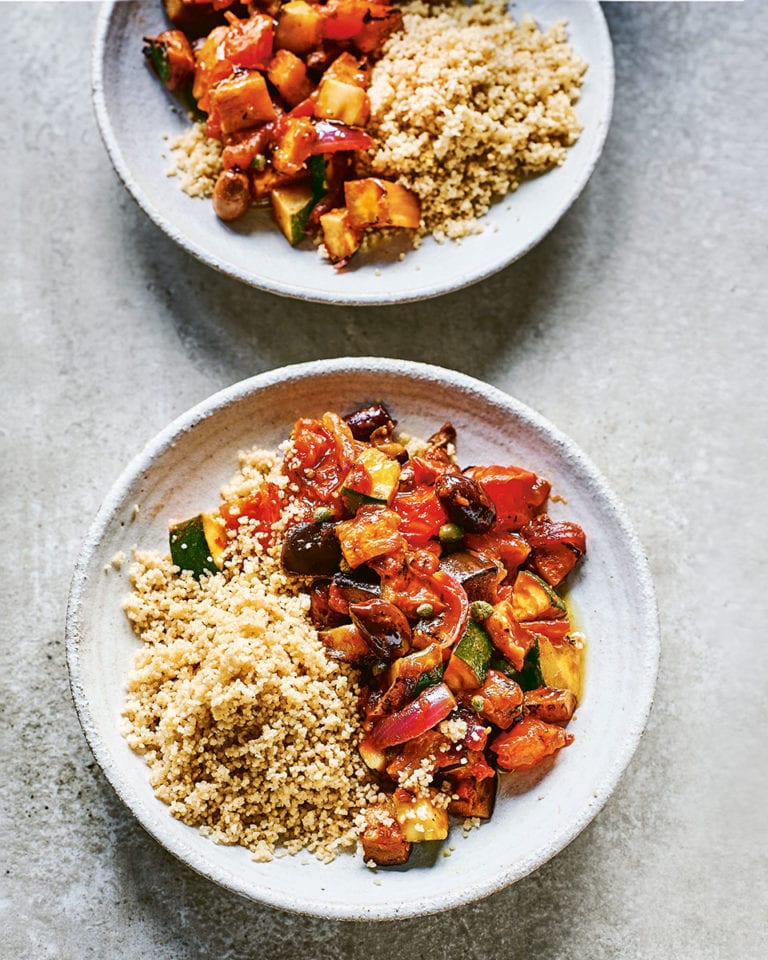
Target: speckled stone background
637	326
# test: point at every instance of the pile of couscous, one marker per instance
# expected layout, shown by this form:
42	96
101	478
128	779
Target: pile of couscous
465	104
249	730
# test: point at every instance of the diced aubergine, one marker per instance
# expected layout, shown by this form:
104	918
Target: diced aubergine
357	586
241	101
382	837
311	550
478	576
288	74
466	502
499	699
419	818
472	798
384	626
549	704
198	544
299	27
296	142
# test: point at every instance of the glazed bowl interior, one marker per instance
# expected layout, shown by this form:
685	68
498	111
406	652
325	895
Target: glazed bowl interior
181	471
136	116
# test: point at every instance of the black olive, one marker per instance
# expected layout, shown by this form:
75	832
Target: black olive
384	626
311	550
466	503
363	422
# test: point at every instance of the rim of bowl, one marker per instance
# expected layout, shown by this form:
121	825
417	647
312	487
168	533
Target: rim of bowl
294	290
382	366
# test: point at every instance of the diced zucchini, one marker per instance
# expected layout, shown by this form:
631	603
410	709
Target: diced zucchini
380	203
428	679
198	544
337	100
469	661
241	101
423	668
530	676
420	819
318	171
341	239
534	599
299	27
561	665
292	206
373	478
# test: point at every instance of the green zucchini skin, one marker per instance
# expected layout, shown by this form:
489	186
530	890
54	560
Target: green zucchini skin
470	658
428	679
190	549
530	676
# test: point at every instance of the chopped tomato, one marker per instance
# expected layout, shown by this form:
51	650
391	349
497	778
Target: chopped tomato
264	507
510	548
528	743
555	545
449	627
517	494
248	43
422	514
554	630
321	454
508	636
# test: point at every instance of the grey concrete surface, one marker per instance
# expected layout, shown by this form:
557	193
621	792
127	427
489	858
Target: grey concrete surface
637	326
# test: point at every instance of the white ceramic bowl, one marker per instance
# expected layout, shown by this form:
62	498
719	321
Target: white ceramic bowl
181	470
134	113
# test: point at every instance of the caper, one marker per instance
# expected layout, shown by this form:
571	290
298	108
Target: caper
425	611
322	515
450	533
480	610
